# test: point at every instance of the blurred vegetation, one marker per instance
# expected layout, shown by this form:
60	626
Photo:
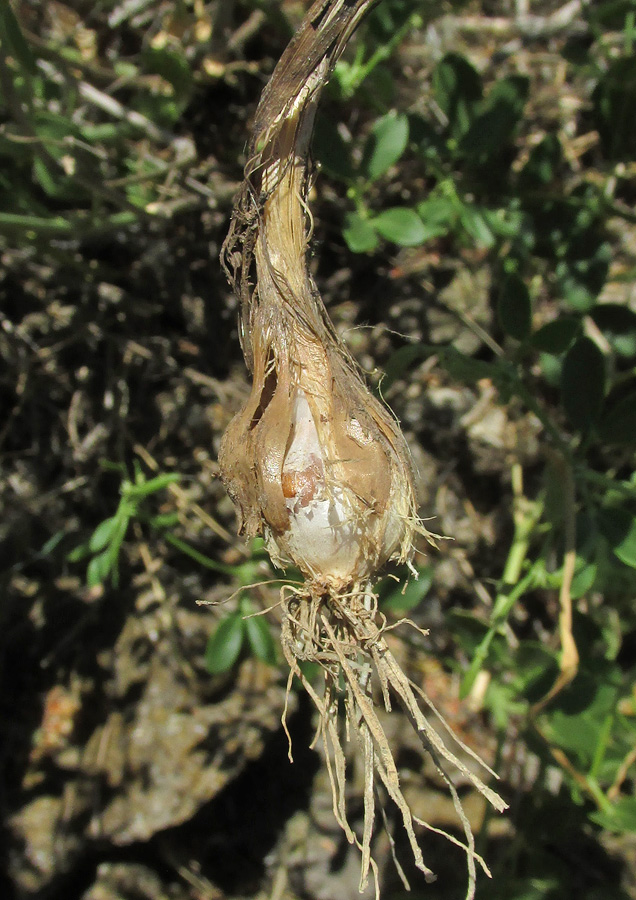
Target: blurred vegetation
92	100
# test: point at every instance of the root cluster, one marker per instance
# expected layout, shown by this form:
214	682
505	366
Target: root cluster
342	635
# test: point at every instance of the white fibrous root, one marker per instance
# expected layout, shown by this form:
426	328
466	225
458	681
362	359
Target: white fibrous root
314	462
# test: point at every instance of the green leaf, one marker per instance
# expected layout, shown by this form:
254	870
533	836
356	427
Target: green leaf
402	600
427	142
551	368
439	214
50	545
386	145
500	700
224	644
584	577
331	151
557	336
608	14
618	324
145	488
55	183
578	733
98	569
359	234
543	164
474	221
47	179
466	368
123	518
260	639
495	122
468	630
583	383
54	130
11	32
613	102
515	309
401	225
457	88
103	534
618	425
378	88
506	222
199	557
164	520
618	527
583	273
534	670
402	360
57	225
387	18
77	554
620	818
173	67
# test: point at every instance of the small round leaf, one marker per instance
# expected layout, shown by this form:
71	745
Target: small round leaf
618	425
359	234
260	639
556	337
386	145
515	309
224	645
583	383
401	225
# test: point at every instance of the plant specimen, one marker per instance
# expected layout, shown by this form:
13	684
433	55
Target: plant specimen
314	463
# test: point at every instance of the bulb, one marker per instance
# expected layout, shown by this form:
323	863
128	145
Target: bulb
320	469
314	462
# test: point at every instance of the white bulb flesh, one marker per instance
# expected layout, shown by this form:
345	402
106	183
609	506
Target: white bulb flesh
324	532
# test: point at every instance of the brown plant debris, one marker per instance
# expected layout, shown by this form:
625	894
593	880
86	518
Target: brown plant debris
313	462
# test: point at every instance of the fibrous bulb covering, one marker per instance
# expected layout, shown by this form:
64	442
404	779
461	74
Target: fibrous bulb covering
314	462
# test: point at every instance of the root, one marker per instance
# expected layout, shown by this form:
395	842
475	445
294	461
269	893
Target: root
341	634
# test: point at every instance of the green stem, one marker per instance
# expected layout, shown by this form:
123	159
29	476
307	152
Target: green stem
362	71
526	515
596	792
201	558
606	481
601	747
78	226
